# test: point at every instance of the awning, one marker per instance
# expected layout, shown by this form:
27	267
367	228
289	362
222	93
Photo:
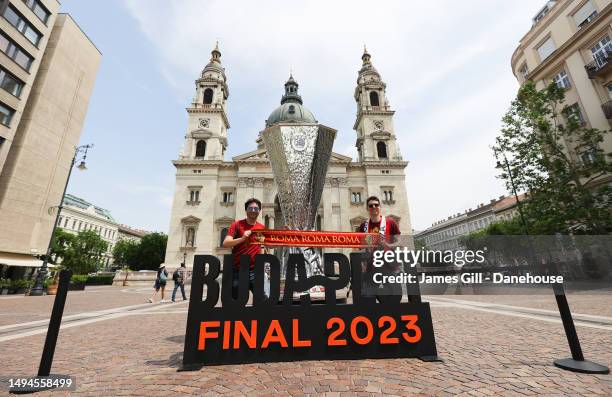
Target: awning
20	260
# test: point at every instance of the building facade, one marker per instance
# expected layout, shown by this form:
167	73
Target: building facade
129	233
80	215
446	234
47	72
570	44
210	191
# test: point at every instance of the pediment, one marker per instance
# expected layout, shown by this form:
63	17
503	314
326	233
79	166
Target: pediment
256	155
262	154
190	219
225	219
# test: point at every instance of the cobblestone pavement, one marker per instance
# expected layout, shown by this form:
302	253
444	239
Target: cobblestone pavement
137	352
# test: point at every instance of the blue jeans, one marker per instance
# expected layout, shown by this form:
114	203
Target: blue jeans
236	283
176	286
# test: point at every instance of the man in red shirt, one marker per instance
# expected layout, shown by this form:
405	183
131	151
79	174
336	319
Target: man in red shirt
389	227
238	240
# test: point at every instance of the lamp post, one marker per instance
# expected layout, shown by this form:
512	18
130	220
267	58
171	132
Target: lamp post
518	202
37	290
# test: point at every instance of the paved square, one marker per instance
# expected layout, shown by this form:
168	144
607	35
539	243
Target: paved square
116	344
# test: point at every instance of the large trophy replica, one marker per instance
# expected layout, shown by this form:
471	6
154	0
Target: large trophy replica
299	155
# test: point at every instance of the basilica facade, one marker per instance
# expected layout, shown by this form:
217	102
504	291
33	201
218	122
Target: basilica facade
210	190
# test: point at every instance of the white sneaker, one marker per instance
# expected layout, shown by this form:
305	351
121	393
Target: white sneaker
163	301
150	300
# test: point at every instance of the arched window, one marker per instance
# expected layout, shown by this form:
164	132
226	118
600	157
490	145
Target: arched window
267	221
319	222
374	98
208	96
381	148
201	148
223	234
190	238
291	109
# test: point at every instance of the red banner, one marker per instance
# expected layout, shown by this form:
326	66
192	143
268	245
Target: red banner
301	238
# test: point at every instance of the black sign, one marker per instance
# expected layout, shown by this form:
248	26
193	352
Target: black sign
274	330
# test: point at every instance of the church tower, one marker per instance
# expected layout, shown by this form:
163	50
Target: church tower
206	137
374	124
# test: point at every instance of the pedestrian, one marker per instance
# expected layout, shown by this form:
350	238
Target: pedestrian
238	239
179	281
160	283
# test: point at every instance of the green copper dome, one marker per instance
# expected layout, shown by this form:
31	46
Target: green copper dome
291	109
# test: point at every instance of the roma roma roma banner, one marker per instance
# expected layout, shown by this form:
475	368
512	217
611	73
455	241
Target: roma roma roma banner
300	238
275	329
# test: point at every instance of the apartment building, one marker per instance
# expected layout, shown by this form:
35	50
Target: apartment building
570	43
446	234
47	71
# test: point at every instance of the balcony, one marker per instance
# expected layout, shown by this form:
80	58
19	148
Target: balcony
599	67
607	109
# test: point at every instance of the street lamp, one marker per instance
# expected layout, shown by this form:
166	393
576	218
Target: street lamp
518	202
37	290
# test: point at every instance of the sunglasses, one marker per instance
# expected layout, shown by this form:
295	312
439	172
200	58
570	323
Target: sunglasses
253	209
373	205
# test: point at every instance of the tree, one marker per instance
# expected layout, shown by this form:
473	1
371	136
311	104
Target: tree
151	251
125	253
62	240
82	252
555	158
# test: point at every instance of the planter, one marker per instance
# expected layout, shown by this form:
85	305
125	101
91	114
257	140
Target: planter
52	289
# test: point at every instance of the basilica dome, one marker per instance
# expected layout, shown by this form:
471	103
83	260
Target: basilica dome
291	109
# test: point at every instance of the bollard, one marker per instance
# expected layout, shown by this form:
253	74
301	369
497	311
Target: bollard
54	323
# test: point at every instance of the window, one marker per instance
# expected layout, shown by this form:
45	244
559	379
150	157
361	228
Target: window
74	224
600	51
10	83
588	157
201	148
223	235
6	114
15	52
66	222
388	195
38	9
22	25
228	197
80	225
356	197
208	96
194	196
546	48
291	109
562	80
374	98
267	221
574	112
524	71
381	148
585	14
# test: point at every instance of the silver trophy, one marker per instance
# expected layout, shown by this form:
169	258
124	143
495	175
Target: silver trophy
299	155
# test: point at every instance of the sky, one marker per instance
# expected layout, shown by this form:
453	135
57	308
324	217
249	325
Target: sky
446	65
